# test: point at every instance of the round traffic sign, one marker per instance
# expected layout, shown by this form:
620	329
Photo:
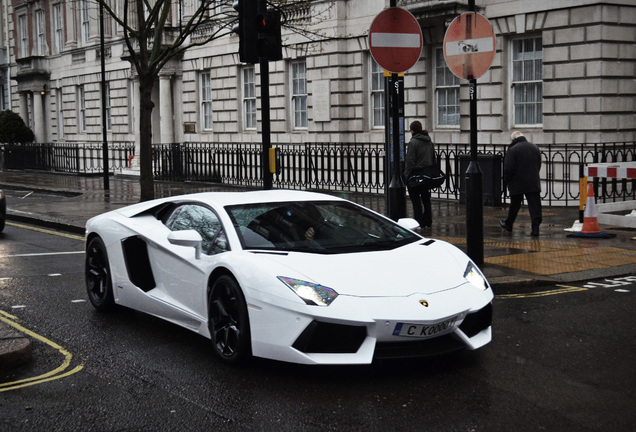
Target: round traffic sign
469	45
395	40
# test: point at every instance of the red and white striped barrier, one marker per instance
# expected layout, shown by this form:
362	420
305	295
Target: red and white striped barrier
621	170
607	212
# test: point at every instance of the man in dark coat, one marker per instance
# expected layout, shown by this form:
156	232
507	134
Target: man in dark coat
521	173
420	153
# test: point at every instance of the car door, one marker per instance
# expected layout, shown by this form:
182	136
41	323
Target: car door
181	278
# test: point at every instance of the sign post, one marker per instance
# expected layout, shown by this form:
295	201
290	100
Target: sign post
469	49
395	41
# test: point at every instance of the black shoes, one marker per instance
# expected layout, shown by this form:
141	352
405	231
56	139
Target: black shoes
533	233
505	226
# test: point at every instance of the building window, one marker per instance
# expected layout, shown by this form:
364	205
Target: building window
527	84
24	39
81	109
299	94
206	101
109	121
3	97
446	92
377	94
41	37
249	98
58	28
85	22
59	111
132	101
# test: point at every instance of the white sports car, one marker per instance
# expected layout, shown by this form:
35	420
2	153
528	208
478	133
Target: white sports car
288	275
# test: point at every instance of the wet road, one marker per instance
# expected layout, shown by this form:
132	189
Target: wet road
561	359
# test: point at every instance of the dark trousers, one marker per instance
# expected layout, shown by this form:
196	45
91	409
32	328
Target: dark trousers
419	199
534	206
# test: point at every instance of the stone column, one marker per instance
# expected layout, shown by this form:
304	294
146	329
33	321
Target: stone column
39	124
24	107
166	110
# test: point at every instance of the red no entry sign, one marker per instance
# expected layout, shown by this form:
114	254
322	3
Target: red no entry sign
395	40
469	45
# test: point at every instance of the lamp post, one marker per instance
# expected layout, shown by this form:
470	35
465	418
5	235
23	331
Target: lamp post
104	127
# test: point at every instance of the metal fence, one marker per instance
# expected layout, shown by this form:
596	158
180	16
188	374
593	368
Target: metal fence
335	166
72	158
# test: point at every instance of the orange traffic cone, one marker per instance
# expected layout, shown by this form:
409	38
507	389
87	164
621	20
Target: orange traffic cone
590	218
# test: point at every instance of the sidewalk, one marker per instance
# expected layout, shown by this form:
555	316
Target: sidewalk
514	261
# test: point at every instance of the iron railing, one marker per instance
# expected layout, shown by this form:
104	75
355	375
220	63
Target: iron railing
334	166
72	158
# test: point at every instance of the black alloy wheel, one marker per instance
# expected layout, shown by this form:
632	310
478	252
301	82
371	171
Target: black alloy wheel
97	272
228	321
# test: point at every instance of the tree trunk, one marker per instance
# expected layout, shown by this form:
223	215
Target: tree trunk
146	181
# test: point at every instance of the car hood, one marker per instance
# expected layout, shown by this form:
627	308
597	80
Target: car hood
421	267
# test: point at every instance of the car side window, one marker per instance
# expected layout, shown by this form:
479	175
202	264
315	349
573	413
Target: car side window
202	220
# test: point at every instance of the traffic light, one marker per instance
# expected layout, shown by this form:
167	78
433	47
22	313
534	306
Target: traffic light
246	28
269	38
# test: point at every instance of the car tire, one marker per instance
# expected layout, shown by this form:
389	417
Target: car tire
99	285
228	321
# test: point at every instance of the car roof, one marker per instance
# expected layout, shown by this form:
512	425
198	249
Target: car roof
222	199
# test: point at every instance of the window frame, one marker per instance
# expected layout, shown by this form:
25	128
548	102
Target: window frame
24	35
531	106
58	28
205	93
85	22
40	32
250	121
299	114
81	108
450	83
59	110
108	107
377	95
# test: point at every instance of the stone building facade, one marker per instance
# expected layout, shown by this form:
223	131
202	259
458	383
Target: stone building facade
564	72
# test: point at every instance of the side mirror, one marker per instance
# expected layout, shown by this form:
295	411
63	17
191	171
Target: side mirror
188	238
408	223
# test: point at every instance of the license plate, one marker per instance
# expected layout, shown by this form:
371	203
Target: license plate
424	330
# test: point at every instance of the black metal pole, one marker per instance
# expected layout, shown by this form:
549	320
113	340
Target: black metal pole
474	189
261	7
104	128
397	189
396	196
474	182
266	129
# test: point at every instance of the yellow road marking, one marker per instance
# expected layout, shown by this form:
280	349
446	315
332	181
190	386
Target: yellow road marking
55	374
565	290
45	231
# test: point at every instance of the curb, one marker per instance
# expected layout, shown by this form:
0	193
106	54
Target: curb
15	349
43	221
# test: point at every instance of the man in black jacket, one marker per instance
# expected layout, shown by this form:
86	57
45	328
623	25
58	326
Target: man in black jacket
521	174
420	153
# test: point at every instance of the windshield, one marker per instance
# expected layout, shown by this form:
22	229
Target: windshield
315	226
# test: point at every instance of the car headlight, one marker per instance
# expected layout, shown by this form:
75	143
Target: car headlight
313	294
474	277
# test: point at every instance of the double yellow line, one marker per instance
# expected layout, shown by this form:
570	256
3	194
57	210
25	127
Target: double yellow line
57	373
565	289
42	230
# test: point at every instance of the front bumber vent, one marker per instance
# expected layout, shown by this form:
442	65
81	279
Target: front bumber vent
472	324
417	348
327	338
477	321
